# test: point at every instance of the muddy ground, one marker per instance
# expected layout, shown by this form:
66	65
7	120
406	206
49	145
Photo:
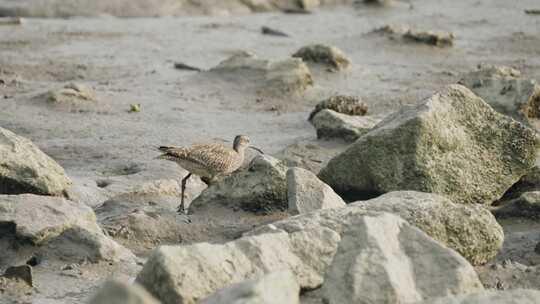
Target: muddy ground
131	61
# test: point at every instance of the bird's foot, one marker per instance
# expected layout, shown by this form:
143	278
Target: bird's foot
181	209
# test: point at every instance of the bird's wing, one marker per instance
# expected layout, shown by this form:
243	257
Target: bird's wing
213	156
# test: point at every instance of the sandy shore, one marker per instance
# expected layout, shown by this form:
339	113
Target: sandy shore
131	61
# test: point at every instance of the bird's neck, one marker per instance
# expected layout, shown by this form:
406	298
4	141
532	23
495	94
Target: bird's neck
240	150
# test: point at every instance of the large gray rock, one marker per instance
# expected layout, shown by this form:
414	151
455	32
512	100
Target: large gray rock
516	296
186	274
330	124
79	244
289	76
262	188
57	228
118	292
452	144
278	287
41	218
306	193
471	230
326	55
382	259
24	168
506	91
306	245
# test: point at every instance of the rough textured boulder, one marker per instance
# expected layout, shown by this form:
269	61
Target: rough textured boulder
278	287
24	168
504	89
453	144
57	227
262	188
186	274
289	76
330	56
330	124
344	104
516	296
306	245
526	205
306	193
118	292
382	259
471	230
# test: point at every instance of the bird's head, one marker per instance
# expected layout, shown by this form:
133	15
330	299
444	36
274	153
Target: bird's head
241	142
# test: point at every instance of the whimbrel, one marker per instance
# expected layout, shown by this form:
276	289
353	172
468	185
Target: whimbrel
208	161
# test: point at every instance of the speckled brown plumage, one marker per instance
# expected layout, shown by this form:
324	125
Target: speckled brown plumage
205	160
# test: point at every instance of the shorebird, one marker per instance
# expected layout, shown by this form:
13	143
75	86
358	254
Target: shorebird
208	161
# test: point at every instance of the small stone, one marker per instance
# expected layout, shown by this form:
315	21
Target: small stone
435	38
183	66
134	108
72	93
344	104
273	32
537	248
23	272
330	124
323	54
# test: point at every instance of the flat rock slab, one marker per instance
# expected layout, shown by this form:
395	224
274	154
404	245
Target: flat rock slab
471	230
330	124
24	168
453	144
506	91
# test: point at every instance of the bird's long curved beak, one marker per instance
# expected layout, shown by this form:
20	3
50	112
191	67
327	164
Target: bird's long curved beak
256	149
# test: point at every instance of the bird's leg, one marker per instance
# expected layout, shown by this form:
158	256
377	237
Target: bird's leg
181	208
